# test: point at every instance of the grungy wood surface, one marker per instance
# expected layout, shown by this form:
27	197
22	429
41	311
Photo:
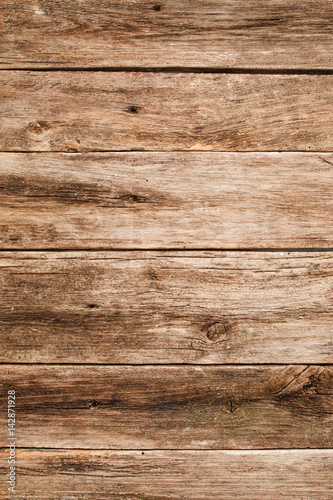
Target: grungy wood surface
166	200
166	307
89	111
166	243
255	34
171	407
176	475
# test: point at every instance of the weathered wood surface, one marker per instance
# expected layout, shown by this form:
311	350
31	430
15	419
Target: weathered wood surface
80	111
165	475
166	307
171	407
206	33
166	200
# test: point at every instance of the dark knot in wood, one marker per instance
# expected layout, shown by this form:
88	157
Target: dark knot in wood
215	331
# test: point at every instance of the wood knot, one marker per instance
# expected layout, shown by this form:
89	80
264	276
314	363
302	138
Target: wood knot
152	275
132	198
231	407
215	331
93	404
93	306
38	127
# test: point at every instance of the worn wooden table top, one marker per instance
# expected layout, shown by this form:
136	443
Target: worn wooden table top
166	250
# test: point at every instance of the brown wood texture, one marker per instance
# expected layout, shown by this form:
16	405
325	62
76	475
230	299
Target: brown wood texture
166	475
166	200
255	34
87	111
171	407
166	249
166	307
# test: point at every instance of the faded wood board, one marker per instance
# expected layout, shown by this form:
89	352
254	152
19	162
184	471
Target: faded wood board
166	200
164	475
166	307
207	33
171	407
86	111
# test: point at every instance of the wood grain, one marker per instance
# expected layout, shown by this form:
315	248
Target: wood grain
166	307
171	407
206	33
166	200
87	111
164	475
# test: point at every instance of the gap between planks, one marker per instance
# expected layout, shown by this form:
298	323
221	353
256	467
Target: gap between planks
243	71
143	250
162	365
178	450
157	151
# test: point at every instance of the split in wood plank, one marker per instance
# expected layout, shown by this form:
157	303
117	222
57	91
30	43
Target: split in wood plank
164	475
166	200
278	34
171	407
166	307
87	111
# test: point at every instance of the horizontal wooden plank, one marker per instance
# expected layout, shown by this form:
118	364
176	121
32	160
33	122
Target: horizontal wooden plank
170	407
166	200
205	33
87	111
165	475
166	307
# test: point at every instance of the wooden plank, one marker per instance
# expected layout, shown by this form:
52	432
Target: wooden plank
171	407
165	475
206	33
166	200
166	307
86	111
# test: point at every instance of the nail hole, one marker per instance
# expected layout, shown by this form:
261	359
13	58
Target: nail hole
157	8
133	109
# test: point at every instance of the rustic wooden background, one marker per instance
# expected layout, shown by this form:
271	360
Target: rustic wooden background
166	248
